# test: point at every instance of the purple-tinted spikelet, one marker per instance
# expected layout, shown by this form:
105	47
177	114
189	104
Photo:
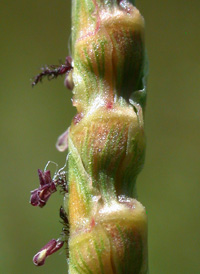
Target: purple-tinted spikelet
40	195
50	248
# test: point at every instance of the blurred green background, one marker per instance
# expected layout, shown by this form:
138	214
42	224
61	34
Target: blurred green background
34	33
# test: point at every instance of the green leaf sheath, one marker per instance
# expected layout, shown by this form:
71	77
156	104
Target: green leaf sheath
108	226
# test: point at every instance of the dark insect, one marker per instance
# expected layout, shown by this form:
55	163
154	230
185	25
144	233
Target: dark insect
65	230
53	71
63	216
65	222
62	183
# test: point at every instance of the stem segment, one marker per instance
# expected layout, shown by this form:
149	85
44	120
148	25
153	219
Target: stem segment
108	226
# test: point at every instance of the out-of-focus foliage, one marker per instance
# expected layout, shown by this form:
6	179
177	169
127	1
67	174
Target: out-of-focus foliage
35	33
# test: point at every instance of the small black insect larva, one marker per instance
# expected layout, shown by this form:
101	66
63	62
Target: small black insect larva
62	183
65	229
63	216
53	71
